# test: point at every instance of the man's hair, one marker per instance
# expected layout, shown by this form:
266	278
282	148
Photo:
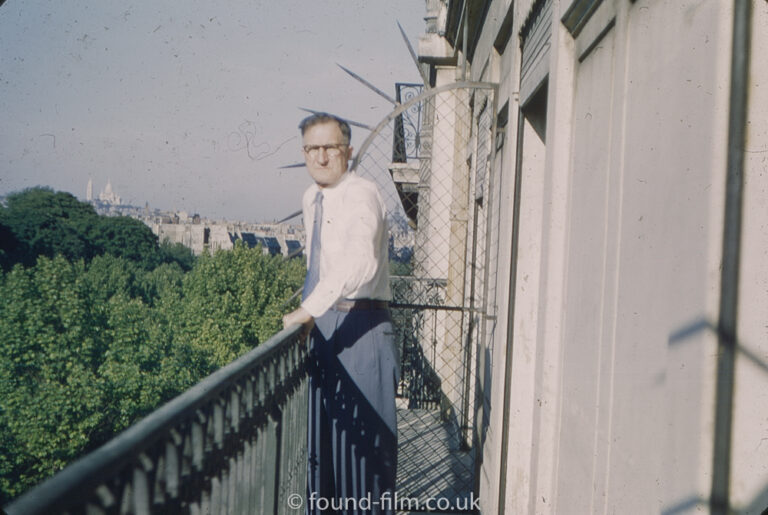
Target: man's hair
318	118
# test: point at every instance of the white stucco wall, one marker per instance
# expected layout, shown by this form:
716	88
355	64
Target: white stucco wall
612	378
644	238
618	275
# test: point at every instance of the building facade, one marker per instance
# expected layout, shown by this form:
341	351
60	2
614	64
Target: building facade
606	223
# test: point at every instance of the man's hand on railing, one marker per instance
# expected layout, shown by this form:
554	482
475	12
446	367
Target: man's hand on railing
299	316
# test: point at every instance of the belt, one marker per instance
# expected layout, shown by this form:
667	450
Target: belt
347	305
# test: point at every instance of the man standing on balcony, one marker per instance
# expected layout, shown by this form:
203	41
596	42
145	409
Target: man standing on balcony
352	433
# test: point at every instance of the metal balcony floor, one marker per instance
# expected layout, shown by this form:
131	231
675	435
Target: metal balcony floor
431	463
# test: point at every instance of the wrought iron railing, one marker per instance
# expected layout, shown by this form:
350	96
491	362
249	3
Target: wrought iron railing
233	443
406	141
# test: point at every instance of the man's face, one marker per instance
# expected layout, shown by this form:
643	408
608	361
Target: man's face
326	166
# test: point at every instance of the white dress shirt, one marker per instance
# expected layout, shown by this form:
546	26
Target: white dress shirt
354	253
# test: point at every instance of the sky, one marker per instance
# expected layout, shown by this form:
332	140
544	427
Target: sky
189	105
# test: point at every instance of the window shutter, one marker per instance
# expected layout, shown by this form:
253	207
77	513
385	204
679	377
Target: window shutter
536	37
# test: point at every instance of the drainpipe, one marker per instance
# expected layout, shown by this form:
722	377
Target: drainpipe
729	277
465	18
506	414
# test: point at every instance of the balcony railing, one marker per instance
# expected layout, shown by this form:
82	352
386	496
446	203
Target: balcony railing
233	443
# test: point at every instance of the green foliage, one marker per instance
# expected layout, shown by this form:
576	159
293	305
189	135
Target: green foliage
51	345
41	222
99	325
48	223
399	268
177	253
126	237
87	347
233	300
9	245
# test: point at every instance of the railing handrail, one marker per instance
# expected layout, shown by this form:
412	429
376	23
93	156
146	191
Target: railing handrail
90	470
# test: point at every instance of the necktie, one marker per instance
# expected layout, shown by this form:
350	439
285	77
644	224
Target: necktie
313	274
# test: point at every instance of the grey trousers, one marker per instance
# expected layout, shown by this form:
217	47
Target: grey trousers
352	433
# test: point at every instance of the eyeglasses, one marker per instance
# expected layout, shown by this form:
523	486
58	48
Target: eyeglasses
333	150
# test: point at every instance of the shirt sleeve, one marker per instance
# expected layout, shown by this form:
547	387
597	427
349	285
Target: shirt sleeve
354	262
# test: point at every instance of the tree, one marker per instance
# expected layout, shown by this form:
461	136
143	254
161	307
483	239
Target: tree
50	393
88	348
49	223
128	238
10	246
177	253
41	222
234	299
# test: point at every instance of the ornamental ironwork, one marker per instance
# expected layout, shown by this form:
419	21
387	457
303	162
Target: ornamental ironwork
406	143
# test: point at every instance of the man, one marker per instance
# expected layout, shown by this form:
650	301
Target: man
352	433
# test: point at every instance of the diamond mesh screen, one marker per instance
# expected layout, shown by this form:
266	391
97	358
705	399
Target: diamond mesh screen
433	164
